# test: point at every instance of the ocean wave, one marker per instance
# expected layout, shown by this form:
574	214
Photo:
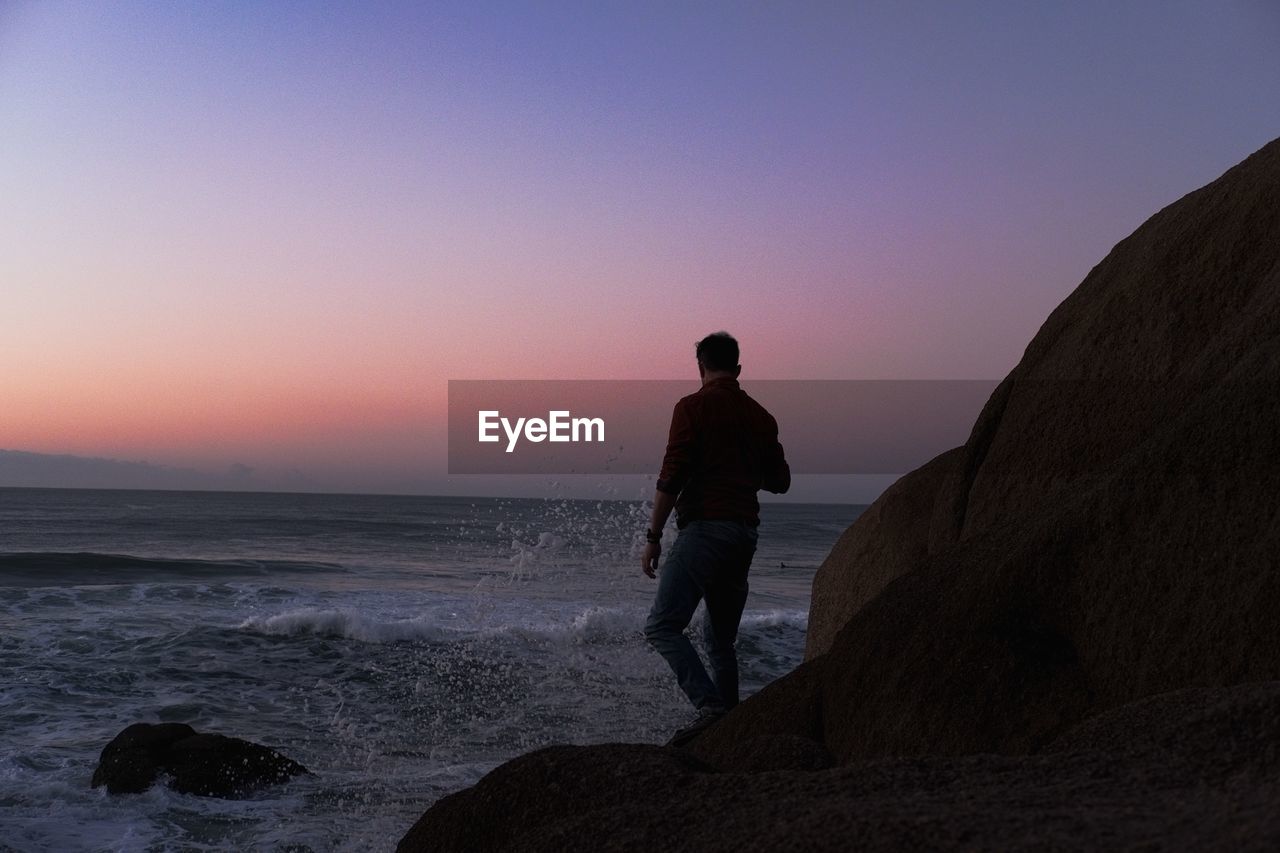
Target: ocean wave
776	618
342	623
593	625
47	568
596	625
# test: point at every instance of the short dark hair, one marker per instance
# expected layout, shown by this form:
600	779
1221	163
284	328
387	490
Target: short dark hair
718	351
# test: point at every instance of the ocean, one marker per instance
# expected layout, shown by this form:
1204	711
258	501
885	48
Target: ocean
399	647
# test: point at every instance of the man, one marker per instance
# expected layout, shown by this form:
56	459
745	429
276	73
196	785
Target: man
723	447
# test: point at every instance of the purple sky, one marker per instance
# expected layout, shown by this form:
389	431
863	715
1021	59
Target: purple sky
267	235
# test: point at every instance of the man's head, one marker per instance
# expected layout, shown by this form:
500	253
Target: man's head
718	356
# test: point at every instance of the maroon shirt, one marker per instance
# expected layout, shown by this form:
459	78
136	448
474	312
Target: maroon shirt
722	449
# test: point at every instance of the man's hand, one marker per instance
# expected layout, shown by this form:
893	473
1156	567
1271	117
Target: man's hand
649	560
663	502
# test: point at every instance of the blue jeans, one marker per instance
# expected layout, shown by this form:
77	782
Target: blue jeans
709	560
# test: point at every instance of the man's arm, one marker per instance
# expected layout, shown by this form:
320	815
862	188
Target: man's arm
677	464
778	476
662	504
777	473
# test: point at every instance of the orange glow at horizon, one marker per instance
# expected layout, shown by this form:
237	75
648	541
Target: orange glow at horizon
223	246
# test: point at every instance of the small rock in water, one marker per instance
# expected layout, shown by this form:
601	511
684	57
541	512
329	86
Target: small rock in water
206	764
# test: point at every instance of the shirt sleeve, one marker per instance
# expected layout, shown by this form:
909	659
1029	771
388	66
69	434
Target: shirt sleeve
777	473
677	463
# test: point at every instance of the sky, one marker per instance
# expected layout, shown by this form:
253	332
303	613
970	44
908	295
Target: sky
256	240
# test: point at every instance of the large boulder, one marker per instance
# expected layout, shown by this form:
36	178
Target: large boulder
1108	531
207	764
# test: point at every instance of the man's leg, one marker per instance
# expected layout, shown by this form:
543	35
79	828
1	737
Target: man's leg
680	588
726	596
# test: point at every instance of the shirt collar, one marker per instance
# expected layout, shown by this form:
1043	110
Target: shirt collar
722	382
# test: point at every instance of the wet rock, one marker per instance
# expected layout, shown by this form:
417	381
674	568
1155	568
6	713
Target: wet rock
206	764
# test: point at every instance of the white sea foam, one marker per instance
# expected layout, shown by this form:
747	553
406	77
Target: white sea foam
343	623
590	625
771	618
525	556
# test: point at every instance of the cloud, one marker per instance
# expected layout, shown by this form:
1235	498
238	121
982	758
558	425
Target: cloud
239	471
23	468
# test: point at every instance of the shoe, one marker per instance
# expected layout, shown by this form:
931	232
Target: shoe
706	717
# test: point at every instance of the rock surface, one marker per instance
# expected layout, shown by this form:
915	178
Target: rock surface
987	639
206	764
891	537
1109	530
1183	771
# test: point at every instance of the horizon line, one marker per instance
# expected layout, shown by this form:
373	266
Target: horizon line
379	494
